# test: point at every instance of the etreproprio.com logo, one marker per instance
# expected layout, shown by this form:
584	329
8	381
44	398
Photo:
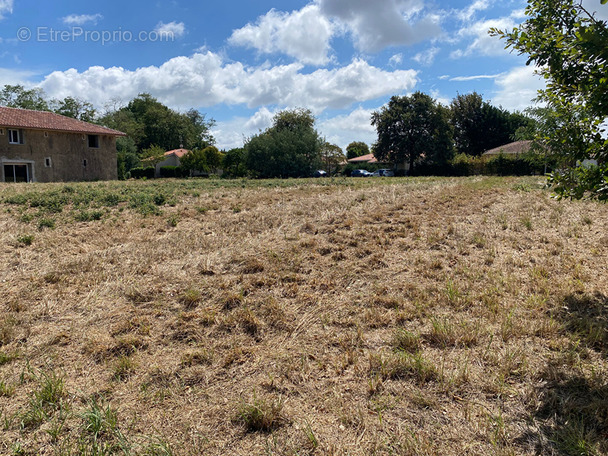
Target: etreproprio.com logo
79	34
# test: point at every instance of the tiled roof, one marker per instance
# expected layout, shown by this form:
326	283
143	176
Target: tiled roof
515	148
42	120
369	158
179	153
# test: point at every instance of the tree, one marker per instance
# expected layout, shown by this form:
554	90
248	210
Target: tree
569	47
76	109
213	158
17	96
331	156
152	155
479	126
195	161
289	148
149	122
356	149
411	128
234	163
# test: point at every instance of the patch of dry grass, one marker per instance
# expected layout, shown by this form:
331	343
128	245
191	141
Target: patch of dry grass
395	316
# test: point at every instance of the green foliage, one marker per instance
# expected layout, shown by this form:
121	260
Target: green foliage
152	155
76	109
569	46
331	157
479	126
356	149
148	122
195	162
16	96
26	239
140	173
235	163
411	127
172	171
290	148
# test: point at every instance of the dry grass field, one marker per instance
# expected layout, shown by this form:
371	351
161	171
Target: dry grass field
357	317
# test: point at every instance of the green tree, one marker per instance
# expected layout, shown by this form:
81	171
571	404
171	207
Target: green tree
195	162
479	126
152	155
213	158
413	128
234	163
17	96
149	122
356	149
76	109
569	47
331	157
289	148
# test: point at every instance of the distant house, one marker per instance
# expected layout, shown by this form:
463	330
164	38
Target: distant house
37	146
513	149
369	158
172	158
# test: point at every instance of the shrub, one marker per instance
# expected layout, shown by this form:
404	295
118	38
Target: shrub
140	173
172	171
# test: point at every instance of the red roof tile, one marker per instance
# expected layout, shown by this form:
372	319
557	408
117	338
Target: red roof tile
179	153
41	120
369	158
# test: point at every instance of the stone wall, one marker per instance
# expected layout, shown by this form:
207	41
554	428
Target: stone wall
60	157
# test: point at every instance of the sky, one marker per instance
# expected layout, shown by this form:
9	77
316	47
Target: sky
239	62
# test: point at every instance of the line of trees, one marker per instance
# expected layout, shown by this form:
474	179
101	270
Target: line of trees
416	130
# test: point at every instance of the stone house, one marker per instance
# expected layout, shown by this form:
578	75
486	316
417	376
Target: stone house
37	146
172	158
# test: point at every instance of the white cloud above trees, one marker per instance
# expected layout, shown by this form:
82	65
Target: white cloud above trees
205	79
304	35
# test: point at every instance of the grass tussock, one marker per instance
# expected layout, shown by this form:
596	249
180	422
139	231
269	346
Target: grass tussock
388	316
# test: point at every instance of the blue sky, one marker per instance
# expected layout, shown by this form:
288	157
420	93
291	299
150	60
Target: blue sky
241	61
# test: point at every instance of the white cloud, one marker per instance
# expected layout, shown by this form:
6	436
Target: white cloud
427	57
395	60
304	35
344	129
468	13
14	77
6	7
518	88
483	43
375	25
81	19
475	77
172	29
205	80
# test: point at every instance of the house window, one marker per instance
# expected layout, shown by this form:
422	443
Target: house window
46	134
15	136
47	162
94	141
84	163
18	172
1	131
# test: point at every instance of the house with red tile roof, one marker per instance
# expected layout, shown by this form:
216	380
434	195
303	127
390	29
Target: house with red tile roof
172	158
39	146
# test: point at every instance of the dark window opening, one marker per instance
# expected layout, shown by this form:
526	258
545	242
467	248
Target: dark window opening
94	141
84	163
15	173
15	136
47	162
